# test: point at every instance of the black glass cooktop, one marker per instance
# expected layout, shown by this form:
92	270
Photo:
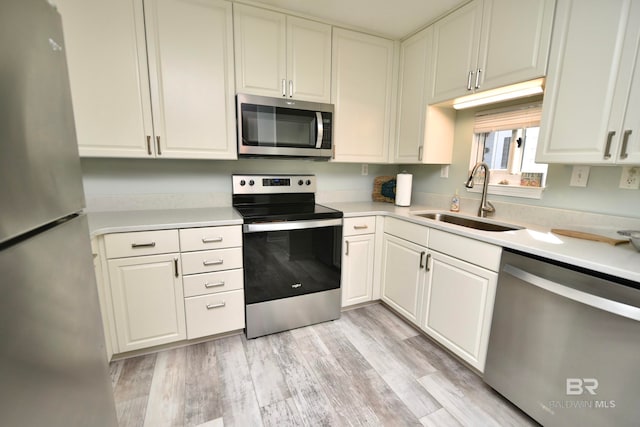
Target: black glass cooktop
271	208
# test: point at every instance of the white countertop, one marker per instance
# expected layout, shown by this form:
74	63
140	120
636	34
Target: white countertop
161	219
620	261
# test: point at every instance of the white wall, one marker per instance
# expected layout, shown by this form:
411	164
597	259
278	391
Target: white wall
130	177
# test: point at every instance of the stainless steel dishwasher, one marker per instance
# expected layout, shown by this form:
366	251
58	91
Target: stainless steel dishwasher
565	343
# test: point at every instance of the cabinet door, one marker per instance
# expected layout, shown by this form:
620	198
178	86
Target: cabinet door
513	49
579	96
361	91
260	40
190	46
414	66
106	55
629	133
357	269
403	275
147	301
458	301
455	53
308	60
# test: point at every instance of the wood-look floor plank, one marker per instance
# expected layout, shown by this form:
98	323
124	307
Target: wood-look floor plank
115	369
471	384
283	413
350	404
394	344
167	393
387	406
268	380
307	394
400	329
440	418
239	404
453	400
131	393
399	378
202	385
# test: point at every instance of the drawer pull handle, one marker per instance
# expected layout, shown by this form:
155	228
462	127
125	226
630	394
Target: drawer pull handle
213	285
175	267
218	305
143	245
216	262
211	239
360	227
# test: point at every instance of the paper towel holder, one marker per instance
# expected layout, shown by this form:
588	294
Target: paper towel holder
403	189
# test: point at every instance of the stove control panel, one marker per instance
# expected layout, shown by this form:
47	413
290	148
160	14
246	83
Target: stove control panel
270	184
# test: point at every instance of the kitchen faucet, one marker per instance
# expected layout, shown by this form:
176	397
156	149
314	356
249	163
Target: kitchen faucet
485	206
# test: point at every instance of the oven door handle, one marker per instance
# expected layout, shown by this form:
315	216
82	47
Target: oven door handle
290	225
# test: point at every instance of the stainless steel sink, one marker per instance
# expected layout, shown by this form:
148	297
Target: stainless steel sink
468	222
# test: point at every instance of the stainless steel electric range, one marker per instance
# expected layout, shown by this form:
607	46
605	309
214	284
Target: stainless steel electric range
291	253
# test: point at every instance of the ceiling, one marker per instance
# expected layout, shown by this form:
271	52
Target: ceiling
391	18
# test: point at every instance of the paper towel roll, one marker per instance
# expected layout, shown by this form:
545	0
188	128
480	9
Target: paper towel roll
403	189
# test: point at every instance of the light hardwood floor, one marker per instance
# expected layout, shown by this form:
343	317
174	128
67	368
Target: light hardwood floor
367	368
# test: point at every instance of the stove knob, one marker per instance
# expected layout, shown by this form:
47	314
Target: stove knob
300	182
308	182
242	182
251	182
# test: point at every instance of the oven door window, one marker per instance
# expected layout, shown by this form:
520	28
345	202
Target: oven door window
283	264
266	126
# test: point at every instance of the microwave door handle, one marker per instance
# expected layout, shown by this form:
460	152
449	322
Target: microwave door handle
320	129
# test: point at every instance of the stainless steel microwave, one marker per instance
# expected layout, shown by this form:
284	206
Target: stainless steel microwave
284	127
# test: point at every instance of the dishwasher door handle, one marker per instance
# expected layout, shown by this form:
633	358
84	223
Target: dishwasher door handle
614	307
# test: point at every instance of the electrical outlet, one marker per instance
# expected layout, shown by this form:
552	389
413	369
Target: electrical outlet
444	171
580	176
365	169
630	178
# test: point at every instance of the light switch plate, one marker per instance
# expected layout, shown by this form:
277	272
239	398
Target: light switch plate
444	171
630	178
365	169
580	176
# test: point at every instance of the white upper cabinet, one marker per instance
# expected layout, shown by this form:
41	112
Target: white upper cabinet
106	55
591	109
190	45
362	88
282	56
488	44
190	89
424	134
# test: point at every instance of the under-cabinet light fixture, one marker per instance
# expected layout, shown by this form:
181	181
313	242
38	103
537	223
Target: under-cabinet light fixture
519	90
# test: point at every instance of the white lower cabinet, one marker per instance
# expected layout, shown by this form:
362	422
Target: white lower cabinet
458	306
403	275
443	283
148	301
357	269
213	280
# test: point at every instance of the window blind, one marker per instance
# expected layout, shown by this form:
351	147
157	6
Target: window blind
516	117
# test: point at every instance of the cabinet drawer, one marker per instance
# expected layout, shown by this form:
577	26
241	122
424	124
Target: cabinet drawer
198	239
479	253
210	283
216	260
214	314
360	225
120	245
407	230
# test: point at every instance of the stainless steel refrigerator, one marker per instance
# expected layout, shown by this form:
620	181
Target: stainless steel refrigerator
53	367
